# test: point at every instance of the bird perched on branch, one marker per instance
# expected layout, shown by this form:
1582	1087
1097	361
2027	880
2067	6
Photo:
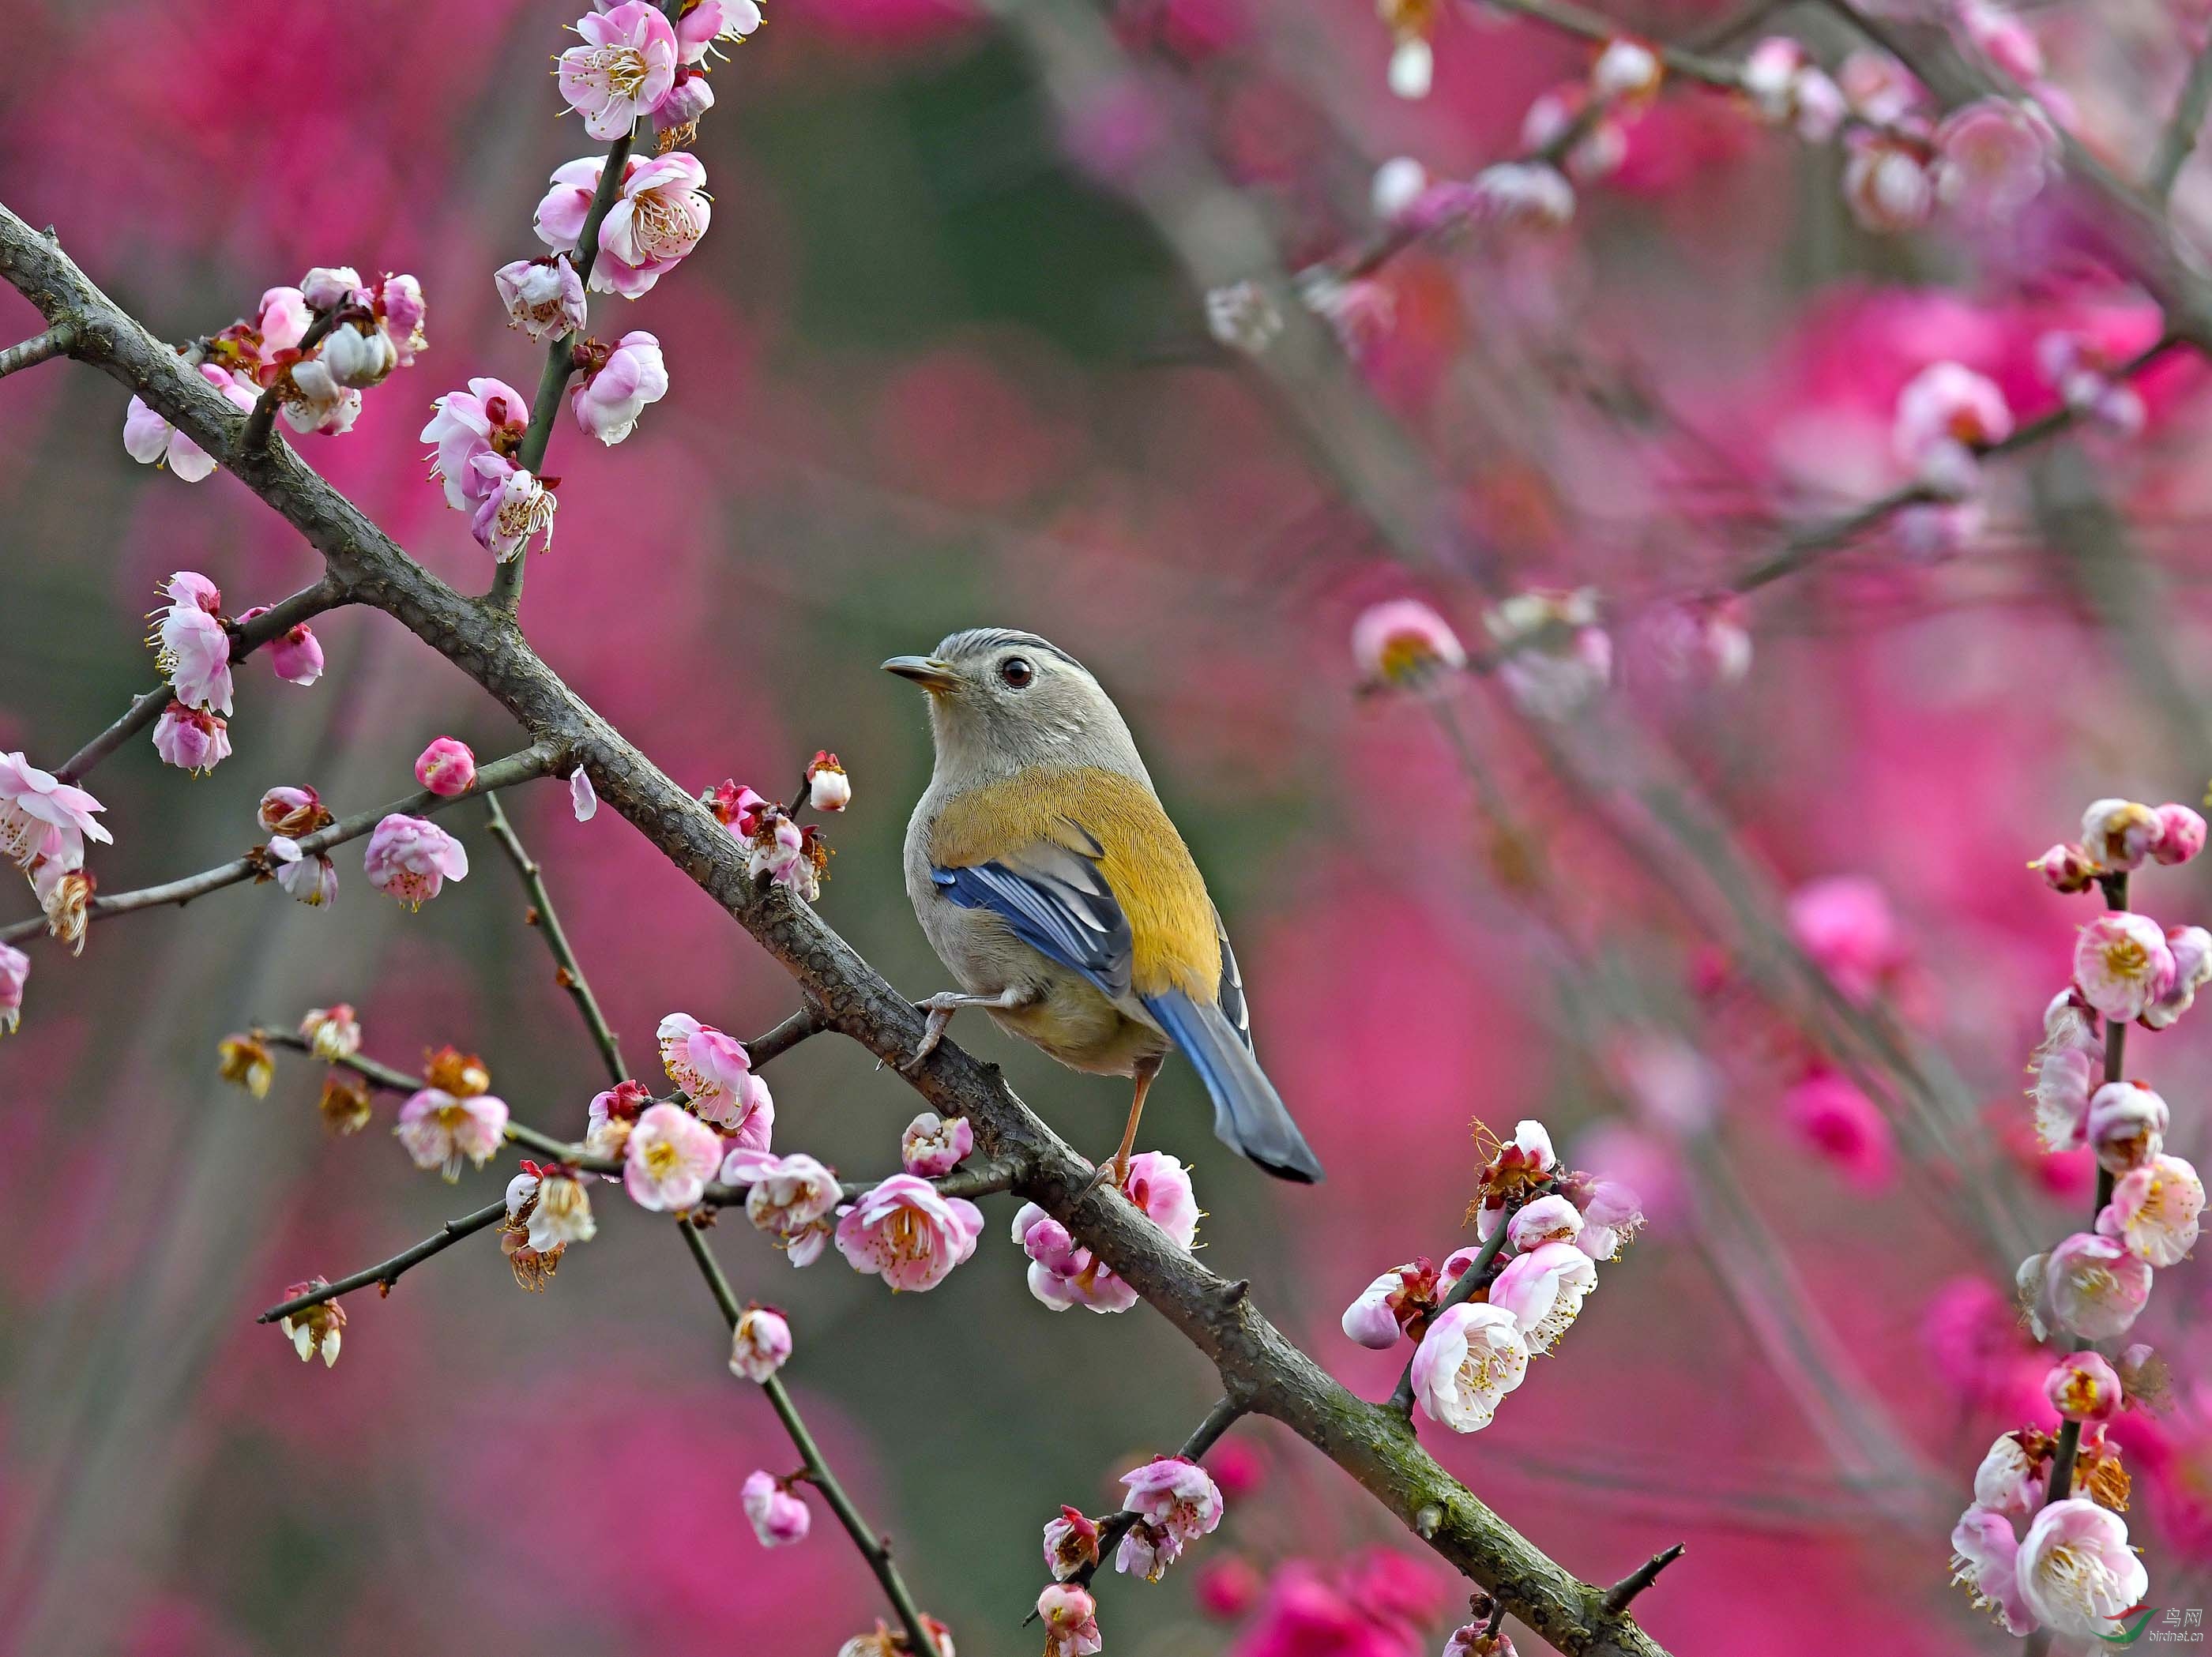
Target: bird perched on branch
1048	878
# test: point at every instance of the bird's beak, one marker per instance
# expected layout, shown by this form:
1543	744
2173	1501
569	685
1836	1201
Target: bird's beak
932	675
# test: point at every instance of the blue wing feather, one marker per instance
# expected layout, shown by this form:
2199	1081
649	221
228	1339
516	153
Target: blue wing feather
1062	908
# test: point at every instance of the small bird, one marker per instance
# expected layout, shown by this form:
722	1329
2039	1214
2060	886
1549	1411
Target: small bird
1048	879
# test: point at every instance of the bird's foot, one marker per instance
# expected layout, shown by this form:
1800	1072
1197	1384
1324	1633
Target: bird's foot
1104	1174
939	1008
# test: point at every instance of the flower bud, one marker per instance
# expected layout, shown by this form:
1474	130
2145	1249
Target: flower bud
447	768
760	1343
358	357
2082	1387
2067	868
2180	834
2119	833
328	286
2126	1126
827	788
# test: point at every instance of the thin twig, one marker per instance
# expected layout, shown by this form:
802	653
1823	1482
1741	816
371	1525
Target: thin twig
262	421
54	342
1219	1419
1480	1274
1618	1596
246	638
566	971
515	768
387	1272
873	1548
2179	138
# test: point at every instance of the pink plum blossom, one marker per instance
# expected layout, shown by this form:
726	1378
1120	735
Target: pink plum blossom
1544	1290
760	1343
1880	88
583	798
191	740
448	768
1845	924
2123	964
827	788
1160	1188
295	655
902	1228
625	66
1886	184
778	1516
611	1115
1402	643
2081	373
2155	1211
412	858
488	418
703	26
785	1196
15	971
931	1146
2095	1286
2119	834
2067	868
516	508
440	1131
1071	1544
1993	156
1390	1305
2083	1387
713	1069
311	879
327	286
2180	834
1611	1214
659	218
615	383
2004	39
1984	1548
1835	1119
150	440
1788	88
283	317
670	1157
1070	1621
1549	1219
2063	1082
1175	1496
192	647
1472	1355
677	115
2076	1571
2009	1480
2126	1126
544	297
398	304
1062	1274
41	817
1946	416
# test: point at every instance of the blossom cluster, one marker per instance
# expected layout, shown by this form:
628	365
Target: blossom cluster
1063	1273
1477	1324
779	849
2071	1570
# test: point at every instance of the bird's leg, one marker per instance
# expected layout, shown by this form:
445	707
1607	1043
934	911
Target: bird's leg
941	1006
1145	1069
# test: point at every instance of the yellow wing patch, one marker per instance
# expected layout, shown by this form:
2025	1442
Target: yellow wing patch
1175	945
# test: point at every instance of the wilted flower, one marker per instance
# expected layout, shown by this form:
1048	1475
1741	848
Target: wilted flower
191	740
440	1130
611	1116
1071	1544
245	1060
293	811
544	297
313	1329
2155	1211
1403	644
778	1516
669	1157
2123	964
462	1074
1472	1355
331	1033
614	383
563	1212
65	896
760	1343
931	1146
344	1104
714	1071
447	768
2095	1286
412	858
2077	1572
624	67
903	1229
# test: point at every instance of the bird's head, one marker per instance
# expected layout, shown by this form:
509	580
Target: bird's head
1002	701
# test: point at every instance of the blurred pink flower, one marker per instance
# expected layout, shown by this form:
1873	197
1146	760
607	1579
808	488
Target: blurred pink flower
2063	1082
2123	964
412	858
668	1159
904	1230
447	768
1305	1613
1971	1331
715	1069
624	67
779	1517
931	1146
1993	156
15	971
440	1131
190	739
2119	834
1885	182
2156	1210
2180	834
614	384
1845	924
760	1344
2095	1286
1472	1355
1405	644
1828	1112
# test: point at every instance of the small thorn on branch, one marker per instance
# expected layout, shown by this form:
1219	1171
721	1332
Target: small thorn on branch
1428	1519
1618	1596
1236	1292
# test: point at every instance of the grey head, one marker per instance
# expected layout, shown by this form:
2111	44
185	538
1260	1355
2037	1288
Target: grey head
1002	701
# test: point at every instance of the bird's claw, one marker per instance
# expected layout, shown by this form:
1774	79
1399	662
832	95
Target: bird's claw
939	1008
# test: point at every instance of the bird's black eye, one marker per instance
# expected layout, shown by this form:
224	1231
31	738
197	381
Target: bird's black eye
1017	672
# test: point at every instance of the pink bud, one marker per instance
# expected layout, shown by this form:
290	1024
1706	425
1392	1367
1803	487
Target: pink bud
447	768
2180	834
760	1343
297	656
191	739
778	1516
2066	868
2126	1126
2082	1387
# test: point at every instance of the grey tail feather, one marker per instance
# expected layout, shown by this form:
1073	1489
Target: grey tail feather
1249	1114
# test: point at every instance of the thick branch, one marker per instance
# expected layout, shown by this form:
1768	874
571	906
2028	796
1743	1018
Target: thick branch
388	1272
1256	1361
248	637
499	774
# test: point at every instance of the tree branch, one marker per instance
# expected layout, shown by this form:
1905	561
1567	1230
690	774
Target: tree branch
566	972
1618	1596
30	353
522	766
1253	1358
388	1272
248	637
2181	133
